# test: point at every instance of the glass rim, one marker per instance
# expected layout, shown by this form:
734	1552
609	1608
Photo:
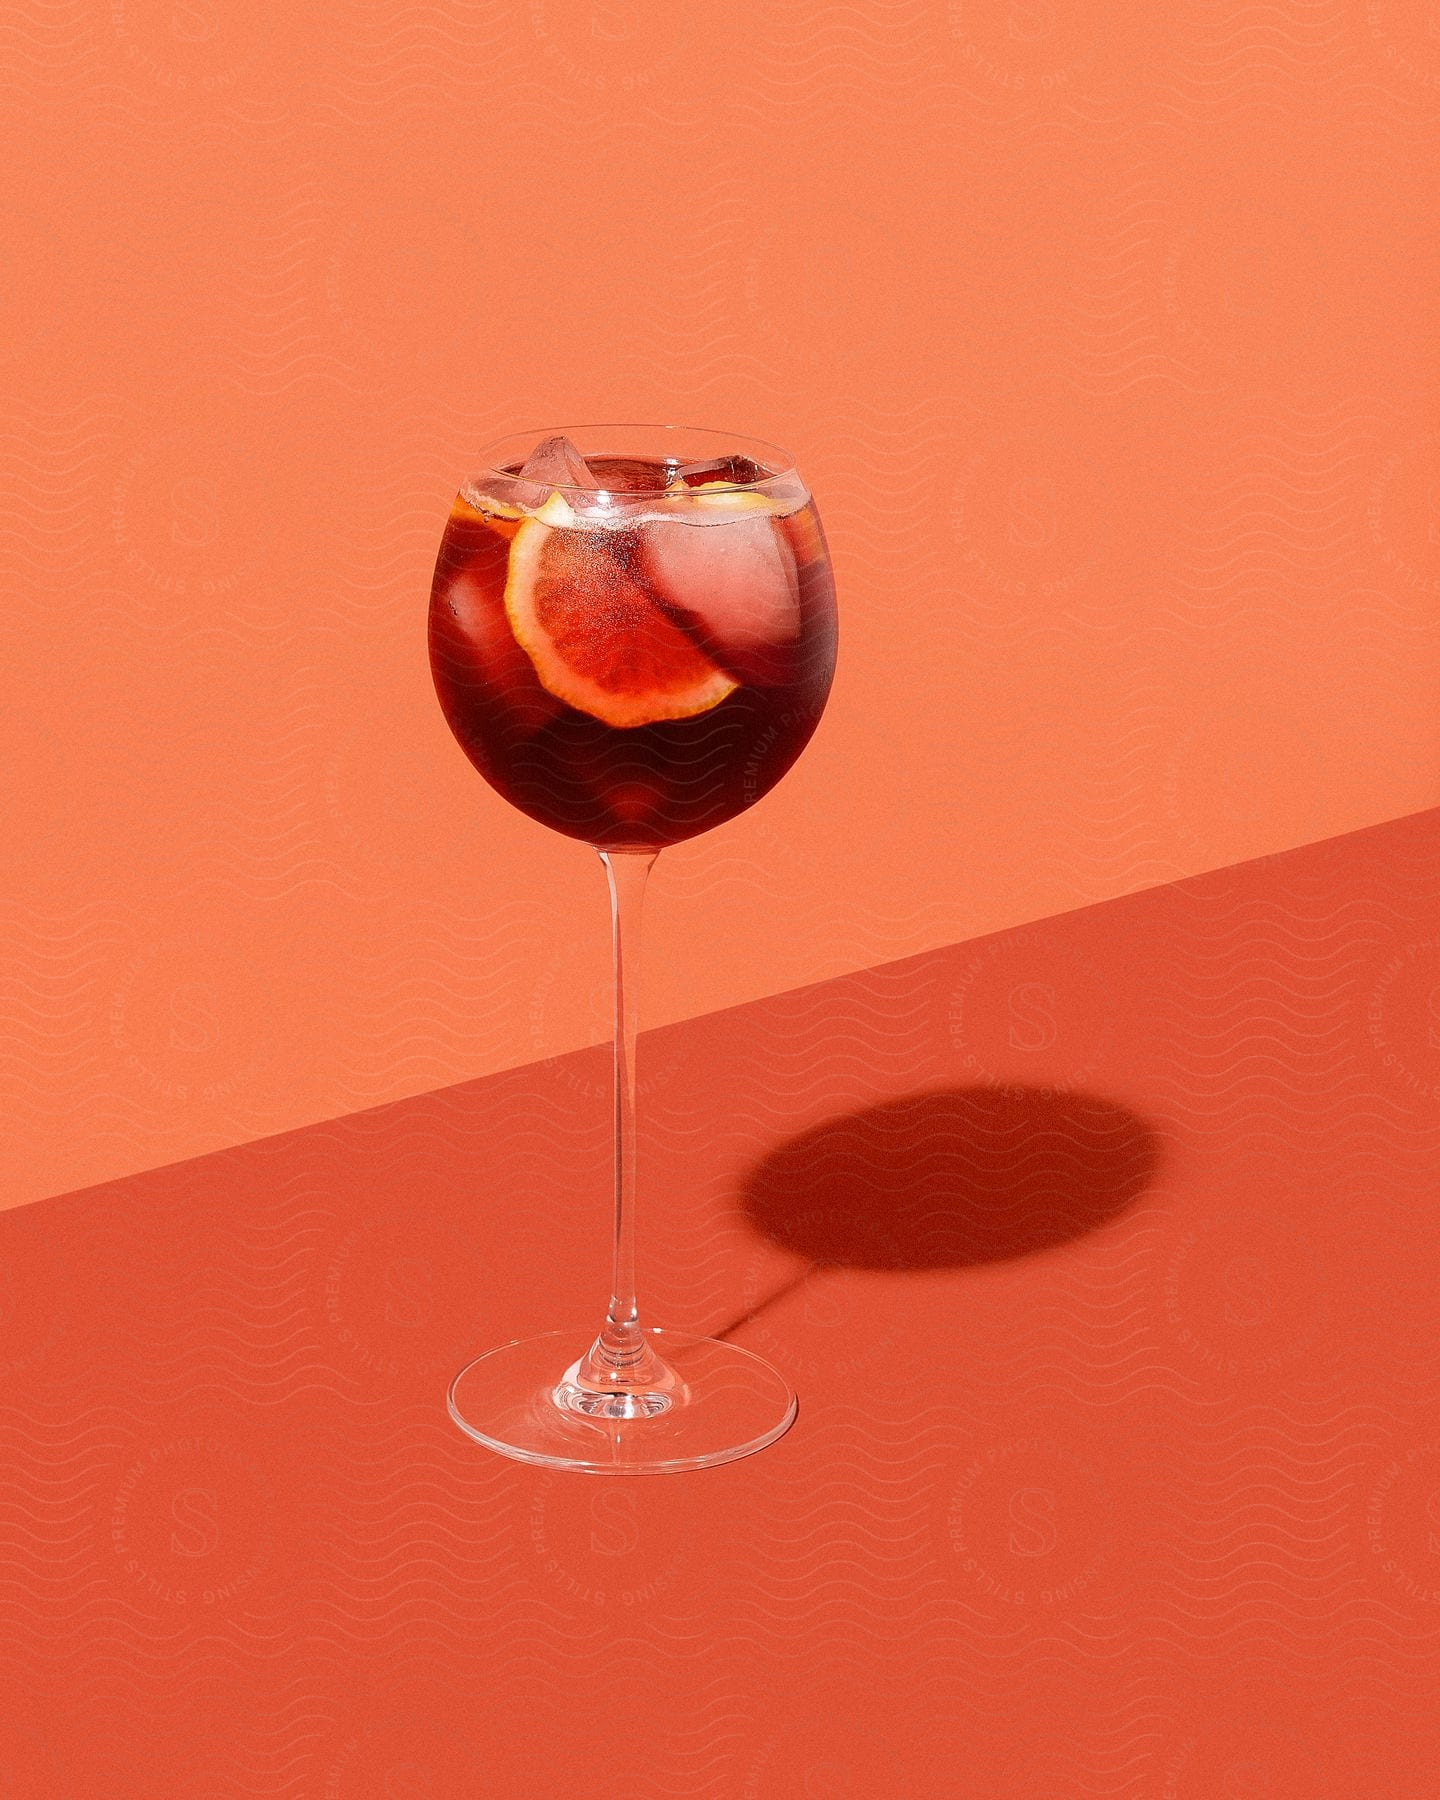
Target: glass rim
778	463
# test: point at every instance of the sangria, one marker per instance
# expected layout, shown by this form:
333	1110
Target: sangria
638	652
632	634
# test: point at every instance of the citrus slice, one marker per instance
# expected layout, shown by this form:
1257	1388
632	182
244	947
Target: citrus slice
727	496
596	638
475	503
709	503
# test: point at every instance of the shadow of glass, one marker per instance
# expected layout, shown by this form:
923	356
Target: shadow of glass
948	1179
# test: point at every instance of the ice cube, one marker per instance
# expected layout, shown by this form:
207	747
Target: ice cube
735	589
628	474
477	648
553	463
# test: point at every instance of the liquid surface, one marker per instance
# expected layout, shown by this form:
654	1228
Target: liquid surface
634	665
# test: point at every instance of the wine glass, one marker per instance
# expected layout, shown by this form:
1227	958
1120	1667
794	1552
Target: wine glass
632	634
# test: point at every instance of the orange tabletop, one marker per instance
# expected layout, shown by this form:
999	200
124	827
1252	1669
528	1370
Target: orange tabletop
1102	1253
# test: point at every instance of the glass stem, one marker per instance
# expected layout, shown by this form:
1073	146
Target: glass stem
627	872
621	1358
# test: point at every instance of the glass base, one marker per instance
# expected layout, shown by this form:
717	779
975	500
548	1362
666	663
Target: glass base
523	1401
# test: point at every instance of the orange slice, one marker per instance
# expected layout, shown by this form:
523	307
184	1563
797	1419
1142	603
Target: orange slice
481	514
597	640
473	502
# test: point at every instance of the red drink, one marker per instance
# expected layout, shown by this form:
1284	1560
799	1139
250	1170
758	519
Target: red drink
637	657
631	649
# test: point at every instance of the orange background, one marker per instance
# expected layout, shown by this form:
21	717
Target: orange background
1102	335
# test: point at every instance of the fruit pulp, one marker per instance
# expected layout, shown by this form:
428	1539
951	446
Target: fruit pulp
637	665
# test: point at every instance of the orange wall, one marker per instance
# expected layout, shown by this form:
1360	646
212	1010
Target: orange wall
1105	339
